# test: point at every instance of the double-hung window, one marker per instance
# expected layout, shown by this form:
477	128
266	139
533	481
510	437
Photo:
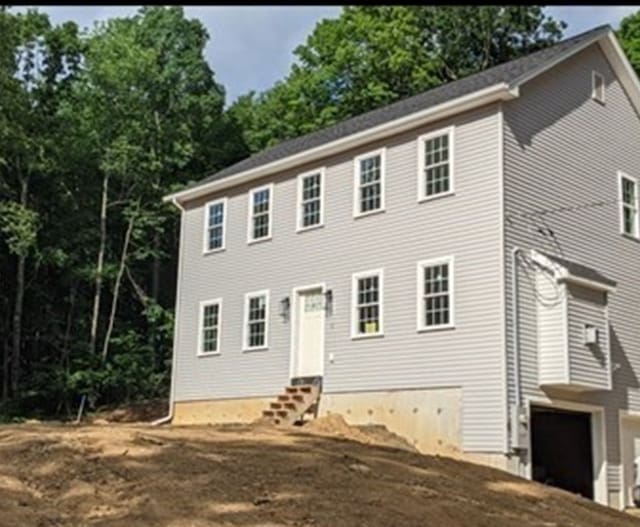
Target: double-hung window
435	294
629	219
256	320
369	170
214	223
210	321
260	213
367	304
435	164
310	200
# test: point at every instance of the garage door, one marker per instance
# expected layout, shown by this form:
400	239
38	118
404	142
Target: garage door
561	449
630	453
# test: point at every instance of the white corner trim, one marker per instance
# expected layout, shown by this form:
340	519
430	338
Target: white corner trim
245	320
382	152
503	281
205	241
201	306
354	302
300	187
498	92
450	132
252	192
622	68
420	265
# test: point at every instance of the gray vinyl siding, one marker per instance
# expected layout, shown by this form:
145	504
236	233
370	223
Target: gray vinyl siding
588	365
552	334
562	148
466	225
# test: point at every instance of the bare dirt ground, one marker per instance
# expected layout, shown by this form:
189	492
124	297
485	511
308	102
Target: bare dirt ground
327	475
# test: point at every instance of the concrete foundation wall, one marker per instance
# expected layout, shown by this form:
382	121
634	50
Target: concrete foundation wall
431	420
219	411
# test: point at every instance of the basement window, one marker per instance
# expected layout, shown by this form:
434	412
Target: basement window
366	304
597	87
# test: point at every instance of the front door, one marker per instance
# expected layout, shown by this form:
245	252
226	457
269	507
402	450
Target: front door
309	348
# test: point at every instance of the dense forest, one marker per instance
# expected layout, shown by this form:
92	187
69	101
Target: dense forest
97	125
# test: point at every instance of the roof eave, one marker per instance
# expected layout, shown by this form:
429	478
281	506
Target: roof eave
495	93
585	282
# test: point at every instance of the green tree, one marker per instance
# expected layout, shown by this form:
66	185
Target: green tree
36	64
629	35
371	56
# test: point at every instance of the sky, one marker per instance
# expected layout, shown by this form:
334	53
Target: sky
251	47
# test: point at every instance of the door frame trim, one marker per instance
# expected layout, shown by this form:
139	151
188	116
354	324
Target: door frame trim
598	442
624	416
295	293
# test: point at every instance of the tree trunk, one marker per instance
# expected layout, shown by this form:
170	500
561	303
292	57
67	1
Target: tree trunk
66	344
5	370
116	289
155	276
19	304
100	266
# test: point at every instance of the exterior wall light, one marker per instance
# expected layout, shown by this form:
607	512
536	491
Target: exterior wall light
285	307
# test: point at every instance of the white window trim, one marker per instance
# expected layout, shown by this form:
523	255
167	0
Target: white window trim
382	152
450	131
252	192
201	306
420	326
245	333
621	176
354	301
205	241
301	177
594	95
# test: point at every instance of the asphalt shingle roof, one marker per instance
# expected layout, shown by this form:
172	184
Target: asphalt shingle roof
581	271
509	72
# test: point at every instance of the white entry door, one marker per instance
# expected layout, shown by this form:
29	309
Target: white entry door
309	351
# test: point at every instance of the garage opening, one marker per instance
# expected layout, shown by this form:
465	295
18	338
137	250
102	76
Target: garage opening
561	449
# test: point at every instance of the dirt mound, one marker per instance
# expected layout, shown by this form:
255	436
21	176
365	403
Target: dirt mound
142	412
247	476
335	425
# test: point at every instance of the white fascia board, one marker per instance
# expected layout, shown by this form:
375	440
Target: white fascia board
547	65
622	68
497	92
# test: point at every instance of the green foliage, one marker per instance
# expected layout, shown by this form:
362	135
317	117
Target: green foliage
373	55
132	101
629	35
19	227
